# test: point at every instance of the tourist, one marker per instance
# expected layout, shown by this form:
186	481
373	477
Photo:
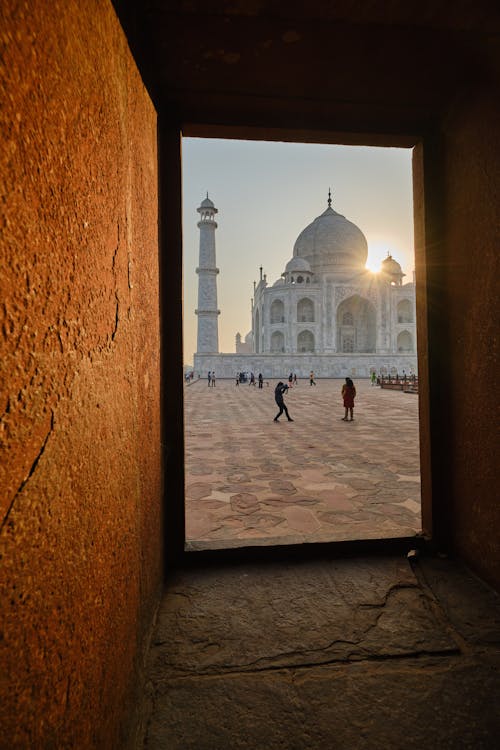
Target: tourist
252	379
295	378
261	380
290	380
348	394
237	378
209	376
311	378
373	378
213	379
278	397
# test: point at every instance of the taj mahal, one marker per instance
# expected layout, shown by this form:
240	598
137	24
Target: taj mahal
327	312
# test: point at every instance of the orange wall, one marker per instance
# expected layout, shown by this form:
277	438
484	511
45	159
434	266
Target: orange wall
79	375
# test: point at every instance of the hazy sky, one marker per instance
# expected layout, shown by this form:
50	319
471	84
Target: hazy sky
267	193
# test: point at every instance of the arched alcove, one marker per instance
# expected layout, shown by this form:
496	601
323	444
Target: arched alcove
356	331
305	341
405	311
277	342
405	342
305	310
277	311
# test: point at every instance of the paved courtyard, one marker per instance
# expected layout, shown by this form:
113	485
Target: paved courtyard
250	481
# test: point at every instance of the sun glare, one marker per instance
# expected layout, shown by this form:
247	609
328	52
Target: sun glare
373	265
377	252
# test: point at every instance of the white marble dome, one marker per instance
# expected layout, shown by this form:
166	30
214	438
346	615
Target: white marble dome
297	265
391	266
332	245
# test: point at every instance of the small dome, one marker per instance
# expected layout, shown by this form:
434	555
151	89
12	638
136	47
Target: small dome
207	203
279	282
296	265
391	266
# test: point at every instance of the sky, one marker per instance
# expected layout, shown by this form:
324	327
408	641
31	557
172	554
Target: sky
266	194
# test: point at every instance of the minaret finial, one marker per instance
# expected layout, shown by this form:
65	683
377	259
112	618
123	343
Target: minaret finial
207	193
329	198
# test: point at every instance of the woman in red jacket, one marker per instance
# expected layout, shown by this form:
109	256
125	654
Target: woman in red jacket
348	394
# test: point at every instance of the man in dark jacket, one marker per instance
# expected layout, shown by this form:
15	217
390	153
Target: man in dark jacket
278	397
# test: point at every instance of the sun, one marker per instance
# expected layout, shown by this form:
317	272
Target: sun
373	265
377	252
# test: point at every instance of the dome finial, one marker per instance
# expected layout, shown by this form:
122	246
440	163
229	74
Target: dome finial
329	198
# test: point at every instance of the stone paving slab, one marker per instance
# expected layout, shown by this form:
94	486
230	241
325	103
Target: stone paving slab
317	479
421	704
338	611
341	654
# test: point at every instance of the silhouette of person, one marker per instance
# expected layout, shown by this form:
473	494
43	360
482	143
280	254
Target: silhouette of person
280	389
261	380
311	378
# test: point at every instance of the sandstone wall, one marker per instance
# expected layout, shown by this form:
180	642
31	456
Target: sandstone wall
79	369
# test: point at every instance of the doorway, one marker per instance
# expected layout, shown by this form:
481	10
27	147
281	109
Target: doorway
245	484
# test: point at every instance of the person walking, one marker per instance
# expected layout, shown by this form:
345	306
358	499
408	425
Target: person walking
290	380
261	380
213	379
280	389
295	378
311	378
348	394
209	377
373	378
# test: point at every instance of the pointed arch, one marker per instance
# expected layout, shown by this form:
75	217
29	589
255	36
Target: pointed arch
305	342
305	310
277	311
405	311
277	342
356	325
405	342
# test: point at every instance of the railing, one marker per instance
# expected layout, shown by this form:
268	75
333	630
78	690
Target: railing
406	383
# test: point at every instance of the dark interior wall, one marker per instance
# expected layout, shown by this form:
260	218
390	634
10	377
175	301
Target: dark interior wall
471	273
80	436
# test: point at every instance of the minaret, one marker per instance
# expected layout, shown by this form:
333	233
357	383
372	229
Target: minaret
207	312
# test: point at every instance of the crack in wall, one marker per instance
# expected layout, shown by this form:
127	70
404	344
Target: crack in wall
30	473
117	317
222	671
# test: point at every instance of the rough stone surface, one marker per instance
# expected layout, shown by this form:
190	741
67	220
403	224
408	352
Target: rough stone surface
79	375
345	654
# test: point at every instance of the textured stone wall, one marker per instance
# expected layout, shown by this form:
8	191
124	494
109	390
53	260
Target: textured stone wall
471	276
79	375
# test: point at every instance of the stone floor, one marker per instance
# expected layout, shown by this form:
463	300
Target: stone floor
250	481
380	653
